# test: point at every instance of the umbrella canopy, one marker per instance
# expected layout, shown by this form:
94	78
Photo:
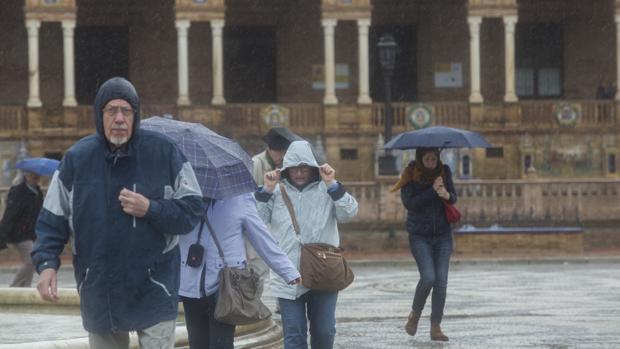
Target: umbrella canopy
40	166
284	134
438	137
280	136
222	167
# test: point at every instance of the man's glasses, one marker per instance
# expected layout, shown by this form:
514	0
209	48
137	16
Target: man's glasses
112	111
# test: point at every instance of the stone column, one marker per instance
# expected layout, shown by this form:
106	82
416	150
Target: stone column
363	66
617	18
183	61
33	63
68	27
474	54
509	43
330	62
218	62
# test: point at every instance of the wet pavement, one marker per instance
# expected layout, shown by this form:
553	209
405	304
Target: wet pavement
552	304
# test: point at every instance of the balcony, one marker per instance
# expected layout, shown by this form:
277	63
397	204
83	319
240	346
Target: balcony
238	120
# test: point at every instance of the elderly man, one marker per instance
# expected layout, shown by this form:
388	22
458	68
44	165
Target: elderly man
122	195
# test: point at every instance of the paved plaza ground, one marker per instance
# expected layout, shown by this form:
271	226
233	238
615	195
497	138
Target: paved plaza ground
555	304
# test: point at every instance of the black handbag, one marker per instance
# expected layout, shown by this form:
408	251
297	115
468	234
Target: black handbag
196	251
238	298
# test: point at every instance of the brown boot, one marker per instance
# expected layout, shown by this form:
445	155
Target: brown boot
436	333
411	327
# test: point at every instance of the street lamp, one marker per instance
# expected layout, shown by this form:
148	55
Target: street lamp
387	58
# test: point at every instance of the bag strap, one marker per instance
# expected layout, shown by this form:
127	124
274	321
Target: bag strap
217	243
289	206
202	225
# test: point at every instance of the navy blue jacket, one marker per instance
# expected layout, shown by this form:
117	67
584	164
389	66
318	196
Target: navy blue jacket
425	212
127	276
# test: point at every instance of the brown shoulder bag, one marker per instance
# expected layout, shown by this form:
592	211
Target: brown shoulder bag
322	266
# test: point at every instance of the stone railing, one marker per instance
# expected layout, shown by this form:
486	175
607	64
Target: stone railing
303	117
593	113
455	114
13	120
313	118
85	118
494	201
158	110
503	201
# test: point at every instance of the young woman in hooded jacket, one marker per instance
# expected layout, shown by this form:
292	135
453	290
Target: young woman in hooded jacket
423	185
320	203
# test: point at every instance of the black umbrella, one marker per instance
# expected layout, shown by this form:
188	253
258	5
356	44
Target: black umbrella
278	135
438	137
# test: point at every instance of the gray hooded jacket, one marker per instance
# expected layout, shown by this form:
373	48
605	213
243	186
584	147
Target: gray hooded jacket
318	211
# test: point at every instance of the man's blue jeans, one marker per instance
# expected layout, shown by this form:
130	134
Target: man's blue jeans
320	309
432	255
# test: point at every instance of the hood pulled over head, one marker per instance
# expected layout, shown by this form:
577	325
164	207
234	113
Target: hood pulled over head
116	88
299	153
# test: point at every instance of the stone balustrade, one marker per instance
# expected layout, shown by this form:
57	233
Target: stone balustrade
557	200
497	201
313	118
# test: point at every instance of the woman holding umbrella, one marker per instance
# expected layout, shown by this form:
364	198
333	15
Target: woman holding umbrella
17	226
423	185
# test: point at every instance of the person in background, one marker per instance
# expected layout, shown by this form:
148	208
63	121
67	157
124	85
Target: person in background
423	184
232	220
320	203
123	196
277	139
23	205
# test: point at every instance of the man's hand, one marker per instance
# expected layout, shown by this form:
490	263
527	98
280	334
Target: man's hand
47	286
270	180
134	204
328	174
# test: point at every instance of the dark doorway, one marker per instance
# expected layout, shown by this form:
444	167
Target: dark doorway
250	64
540	64
100	53
404	82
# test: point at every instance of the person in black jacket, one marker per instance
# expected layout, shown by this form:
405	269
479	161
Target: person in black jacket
423	185
17	226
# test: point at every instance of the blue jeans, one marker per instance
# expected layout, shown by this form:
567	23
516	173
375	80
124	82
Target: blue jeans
432	255
320	309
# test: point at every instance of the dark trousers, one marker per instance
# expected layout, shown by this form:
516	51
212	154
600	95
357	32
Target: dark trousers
203	330
432	255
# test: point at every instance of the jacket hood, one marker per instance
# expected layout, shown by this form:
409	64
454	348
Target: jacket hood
116	88
299	153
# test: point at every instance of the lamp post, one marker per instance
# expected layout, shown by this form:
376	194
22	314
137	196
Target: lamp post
387	58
